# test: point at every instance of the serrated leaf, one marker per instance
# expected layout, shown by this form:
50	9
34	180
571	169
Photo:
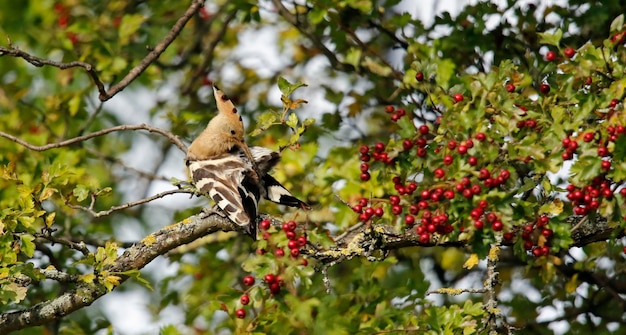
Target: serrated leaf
292	121
80	192
551	38
286	88
47	193
87	278
27	244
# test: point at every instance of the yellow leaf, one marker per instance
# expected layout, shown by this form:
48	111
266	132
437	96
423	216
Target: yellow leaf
50	219
87	278
471	262
115	280
572	284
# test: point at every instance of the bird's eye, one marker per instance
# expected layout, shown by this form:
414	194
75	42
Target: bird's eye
232	131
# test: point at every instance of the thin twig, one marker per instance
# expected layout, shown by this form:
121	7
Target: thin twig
95	214
173	138
135	72
155	53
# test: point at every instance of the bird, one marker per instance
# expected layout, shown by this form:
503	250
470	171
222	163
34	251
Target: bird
235	176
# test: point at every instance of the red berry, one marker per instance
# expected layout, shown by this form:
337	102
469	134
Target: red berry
458	97
483	174
240	313
606	165
537	252
550	56
497	225
424	238
478	224
613	103
419	76
588	81
544	88
602	151
378	211
569	52
269	278
481	137
588	137
365	176
462	149
510	88
394	199
279	252
245	299
439	173
423	129
407	144
248	281
264	224
396	209
447	160
292	244
294	252
364	149
389	109
274	288
472	161
547	233
409	220
301	241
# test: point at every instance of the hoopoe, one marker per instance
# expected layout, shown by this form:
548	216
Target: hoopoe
236	177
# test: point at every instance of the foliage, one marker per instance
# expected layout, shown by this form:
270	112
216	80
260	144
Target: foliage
467	178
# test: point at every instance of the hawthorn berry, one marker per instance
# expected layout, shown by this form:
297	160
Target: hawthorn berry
245	299
240	313
423	129
569	52
497	225
439	173
550	56
481	137
544	88
419	76
510	88
269	278
248	281
458	97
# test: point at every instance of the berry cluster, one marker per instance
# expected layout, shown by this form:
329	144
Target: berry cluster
271	280
63	20
396	114
537	236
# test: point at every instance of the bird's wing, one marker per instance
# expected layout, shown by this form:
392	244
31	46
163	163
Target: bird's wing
233	185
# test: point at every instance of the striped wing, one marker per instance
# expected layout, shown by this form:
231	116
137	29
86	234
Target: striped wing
233	185
274	191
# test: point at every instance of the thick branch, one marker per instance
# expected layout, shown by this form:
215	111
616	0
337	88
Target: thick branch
134	258
173	138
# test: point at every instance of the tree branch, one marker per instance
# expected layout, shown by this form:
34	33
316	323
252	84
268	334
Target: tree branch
173	138
131	75
95	214
134	258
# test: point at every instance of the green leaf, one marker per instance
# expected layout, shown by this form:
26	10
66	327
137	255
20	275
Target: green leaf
286	88
129	26
551	39
27	244
80	192
618	24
